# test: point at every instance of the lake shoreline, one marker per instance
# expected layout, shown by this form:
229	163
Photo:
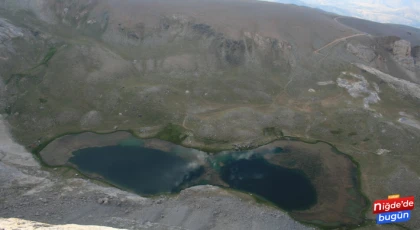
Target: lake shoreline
282	138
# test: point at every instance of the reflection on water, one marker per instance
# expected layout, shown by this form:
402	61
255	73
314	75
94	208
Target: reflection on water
150	171
142	170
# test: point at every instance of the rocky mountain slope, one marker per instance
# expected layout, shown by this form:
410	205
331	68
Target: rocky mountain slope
222	79
58	196
385	11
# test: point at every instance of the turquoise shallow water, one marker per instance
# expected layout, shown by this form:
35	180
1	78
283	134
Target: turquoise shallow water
149	171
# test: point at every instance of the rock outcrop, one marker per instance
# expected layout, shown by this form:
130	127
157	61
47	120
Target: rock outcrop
8	31
402	54
402	48
365	53
402	86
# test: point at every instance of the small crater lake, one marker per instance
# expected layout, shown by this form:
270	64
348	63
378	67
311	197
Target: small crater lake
303	178
134	166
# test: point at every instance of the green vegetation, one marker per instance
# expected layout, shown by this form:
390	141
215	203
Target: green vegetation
353	208
336	132
210	141
352	134
43	100
8	110
273	131
29	72
48	56
172	133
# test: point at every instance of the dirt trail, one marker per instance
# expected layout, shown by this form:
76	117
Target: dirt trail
338	40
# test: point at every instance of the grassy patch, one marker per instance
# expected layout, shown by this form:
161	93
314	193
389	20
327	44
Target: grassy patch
209	141
29	72
8	110
48	56
336	132
273	131
43	100
172	133
352	134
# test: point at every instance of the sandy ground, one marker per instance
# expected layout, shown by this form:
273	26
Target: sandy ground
29	193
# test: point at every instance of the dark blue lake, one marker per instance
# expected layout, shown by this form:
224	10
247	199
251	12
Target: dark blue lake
143	170
151	171
287	188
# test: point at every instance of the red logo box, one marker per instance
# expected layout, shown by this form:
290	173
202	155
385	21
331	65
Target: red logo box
393	205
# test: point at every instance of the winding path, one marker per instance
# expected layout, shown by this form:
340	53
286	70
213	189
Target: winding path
339	40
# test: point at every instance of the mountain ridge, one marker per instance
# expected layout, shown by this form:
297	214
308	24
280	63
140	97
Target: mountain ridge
384	11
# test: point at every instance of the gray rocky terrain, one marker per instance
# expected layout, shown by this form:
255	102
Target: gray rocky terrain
29	193
14	223
213	75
